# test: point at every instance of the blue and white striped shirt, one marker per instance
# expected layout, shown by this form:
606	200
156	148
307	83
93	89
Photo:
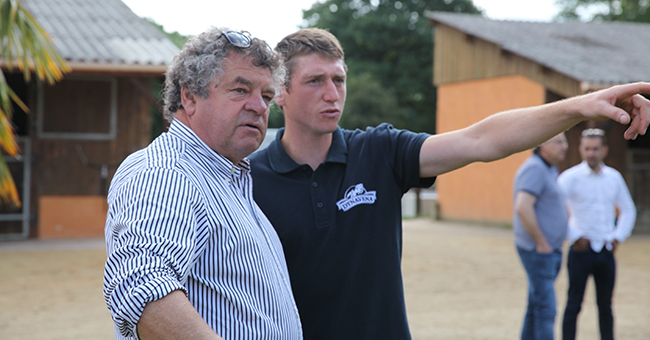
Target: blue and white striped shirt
181	216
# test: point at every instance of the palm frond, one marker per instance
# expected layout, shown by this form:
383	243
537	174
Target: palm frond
26	45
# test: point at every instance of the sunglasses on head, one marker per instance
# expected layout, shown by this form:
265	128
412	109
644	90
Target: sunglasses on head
593	133
237	39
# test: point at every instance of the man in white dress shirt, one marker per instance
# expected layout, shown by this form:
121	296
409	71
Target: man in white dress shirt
594	192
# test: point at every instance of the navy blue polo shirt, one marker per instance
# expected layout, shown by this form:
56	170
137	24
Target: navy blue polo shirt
341	229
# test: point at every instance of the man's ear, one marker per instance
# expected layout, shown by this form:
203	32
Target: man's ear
188	101
280	99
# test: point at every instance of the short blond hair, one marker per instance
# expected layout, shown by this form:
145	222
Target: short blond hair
307	41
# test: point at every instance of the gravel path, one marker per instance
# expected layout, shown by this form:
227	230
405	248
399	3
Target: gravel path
461	281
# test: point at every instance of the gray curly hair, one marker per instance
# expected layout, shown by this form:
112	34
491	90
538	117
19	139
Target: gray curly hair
200	61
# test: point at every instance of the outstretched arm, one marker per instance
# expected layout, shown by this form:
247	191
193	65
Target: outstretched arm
508	132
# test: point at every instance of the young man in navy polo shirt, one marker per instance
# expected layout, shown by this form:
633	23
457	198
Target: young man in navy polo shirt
334	196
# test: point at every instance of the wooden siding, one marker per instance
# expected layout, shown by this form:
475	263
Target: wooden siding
462	57
62	175
89	111
72	216
59	169
481	191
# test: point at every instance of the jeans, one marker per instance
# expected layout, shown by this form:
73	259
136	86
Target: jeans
582	264
541	269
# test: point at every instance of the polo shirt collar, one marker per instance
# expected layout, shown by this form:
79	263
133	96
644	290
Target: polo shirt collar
543	160
281	162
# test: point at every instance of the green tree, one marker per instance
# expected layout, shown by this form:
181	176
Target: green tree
393	41
605	10
276	117
178	39
370	103
158	123
25	45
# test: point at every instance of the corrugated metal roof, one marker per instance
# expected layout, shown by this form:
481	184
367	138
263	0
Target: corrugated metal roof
597	53
104	33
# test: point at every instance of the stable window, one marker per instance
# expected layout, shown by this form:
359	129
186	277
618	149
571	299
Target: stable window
78	108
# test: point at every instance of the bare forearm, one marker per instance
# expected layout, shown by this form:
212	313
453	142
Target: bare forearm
509	132
525	209
513	131
495	137
173	317
521	129
529	222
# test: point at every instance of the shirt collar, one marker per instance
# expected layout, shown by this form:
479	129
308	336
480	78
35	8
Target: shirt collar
588	171
543	160
281	162
202	150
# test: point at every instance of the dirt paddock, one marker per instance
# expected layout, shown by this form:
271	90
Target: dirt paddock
461	281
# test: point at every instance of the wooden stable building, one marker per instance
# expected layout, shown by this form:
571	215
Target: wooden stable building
484	66
80	129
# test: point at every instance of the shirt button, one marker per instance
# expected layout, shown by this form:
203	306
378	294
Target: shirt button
320	204
314	184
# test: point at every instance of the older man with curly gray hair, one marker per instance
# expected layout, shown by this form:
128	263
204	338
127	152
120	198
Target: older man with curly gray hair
190	254
201	61
198	70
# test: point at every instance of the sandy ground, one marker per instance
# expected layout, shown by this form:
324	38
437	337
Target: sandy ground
461	281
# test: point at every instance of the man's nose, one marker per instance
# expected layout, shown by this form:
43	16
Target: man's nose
257	104
331	91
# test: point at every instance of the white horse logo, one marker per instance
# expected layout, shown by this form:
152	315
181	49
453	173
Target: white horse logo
356	195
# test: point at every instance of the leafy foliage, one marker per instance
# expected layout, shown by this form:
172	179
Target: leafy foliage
178	39
25	45
276	117
389	52
158	123
605	10
371	103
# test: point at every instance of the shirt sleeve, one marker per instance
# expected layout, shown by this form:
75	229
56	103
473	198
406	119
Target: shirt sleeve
150	231
627	211
405	146
528	180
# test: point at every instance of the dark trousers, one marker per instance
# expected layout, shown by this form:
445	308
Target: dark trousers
582	264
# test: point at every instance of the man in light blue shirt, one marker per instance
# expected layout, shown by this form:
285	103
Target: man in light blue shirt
594	193
540	227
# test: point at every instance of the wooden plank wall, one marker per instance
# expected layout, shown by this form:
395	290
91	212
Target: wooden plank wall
481	191
462	57
58	169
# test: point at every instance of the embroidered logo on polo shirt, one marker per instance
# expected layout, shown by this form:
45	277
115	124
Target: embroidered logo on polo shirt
356	195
